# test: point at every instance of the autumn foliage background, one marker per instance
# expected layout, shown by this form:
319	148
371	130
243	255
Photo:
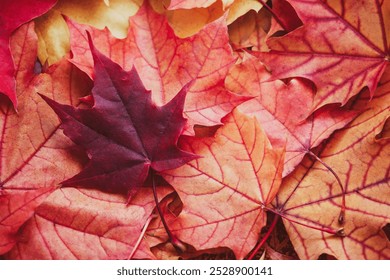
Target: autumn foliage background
285	142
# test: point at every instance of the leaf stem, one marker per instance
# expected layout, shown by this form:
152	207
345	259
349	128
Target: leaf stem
179	246
341	218
151	217
265	238
339	232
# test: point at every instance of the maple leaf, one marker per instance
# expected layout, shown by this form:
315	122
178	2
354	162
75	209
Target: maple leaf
53	33
12	15
30	139
282	108
165	62
87	224
341	48
191	70
124	133
309	198
17	207
225	190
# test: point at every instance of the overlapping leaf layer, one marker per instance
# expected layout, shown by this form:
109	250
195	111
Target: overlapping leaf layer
188	129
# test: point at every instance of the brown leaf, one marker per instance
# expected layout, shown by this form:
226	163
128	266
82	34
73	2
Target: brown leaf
250	31
241	7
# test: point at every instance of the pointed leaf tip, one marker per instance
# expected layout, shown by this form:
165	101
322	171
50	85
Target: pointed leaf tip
90	42
95	53
125	133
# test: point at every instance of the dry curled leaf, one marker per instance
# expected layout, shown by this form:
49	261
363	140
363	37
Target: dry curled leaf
250	31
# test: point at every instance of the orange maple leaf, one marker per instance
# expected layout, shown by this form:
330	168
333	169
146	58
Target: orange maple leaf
310	198
340	47
224	192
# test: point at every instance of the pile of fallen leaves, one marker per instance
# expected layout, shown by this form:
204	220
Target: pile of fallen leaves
179	129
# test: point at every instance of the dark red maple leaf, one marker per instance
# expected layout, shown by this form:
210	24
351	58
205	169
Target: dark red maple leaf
124	133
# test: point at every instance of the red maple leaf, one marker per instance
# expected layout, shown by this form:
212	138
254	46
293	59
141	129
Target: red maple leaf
166	62
309	199
31	139
281	108
340	47
124	133
226	190
12	15
86	224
